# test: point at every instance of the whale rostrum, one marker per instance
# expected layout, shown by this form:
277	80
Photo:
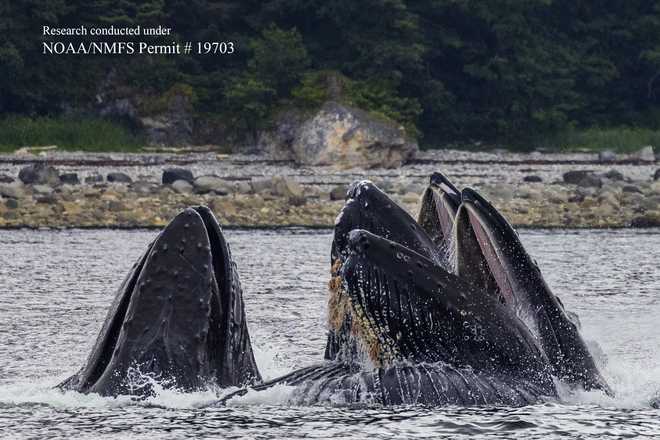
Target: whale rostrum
178	317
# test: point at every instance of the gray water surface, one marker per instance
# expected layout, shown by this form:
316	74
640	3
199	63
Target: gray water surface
56	286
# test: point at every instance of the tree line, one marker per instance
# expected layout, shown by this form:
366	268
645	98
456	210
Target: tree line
448	70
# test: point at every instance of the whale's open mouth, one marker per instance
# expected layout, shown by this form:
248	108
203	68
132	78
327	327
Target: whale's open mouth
485	254
178	314
491	258
438	209
409	312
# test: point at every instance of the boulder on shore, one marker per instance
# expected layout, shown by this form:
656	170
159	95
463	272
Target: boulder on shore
94	178
581	178
338	192
12	190
182	186
118	178
207	184
614	175
171	175
607	156
39	174
70	179
644	154
647	220
347	137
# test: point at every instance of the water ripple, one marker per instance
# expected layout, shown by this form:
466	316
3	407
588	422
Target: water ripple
56	286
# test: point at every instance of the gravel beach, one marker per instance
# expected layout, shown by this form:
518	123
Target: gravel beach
578	190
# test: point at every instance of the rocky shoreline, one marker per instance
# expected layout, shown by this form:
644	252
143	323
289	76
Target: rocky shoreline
540	191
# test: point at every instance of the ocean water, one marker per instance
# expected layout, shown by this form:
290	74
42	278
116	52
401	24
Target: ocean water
56	286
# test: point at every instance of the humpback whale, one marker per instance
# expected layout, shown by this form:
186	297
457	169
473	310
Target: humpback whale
177	317
445	309
491	256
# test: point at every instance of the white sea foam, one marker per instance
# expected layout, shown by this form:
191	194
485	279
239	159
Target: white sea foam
634	386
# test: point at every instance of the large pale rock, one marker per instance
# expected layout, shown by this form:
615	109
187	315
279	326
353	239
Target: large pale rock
242	187
207	184
12	190
644	154
261	184
182	186
144	187
347	137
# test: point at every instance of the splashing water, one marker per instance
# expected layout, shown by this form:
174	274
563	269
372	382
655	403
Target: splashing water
54	297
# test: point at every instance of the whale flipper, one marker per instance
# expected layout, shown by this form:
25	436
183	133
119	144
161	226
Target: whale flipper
178	317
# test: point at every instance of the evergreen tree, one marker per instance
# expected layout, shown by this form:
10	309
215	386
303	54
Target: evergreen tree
450	70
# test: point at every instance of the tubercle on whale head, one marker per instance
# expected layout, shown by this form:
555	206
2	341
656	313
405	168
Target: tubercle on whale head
368	207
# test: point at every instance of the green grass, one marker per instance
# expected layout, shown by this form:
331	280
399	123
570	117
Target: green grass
99	135
67	133
619	139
